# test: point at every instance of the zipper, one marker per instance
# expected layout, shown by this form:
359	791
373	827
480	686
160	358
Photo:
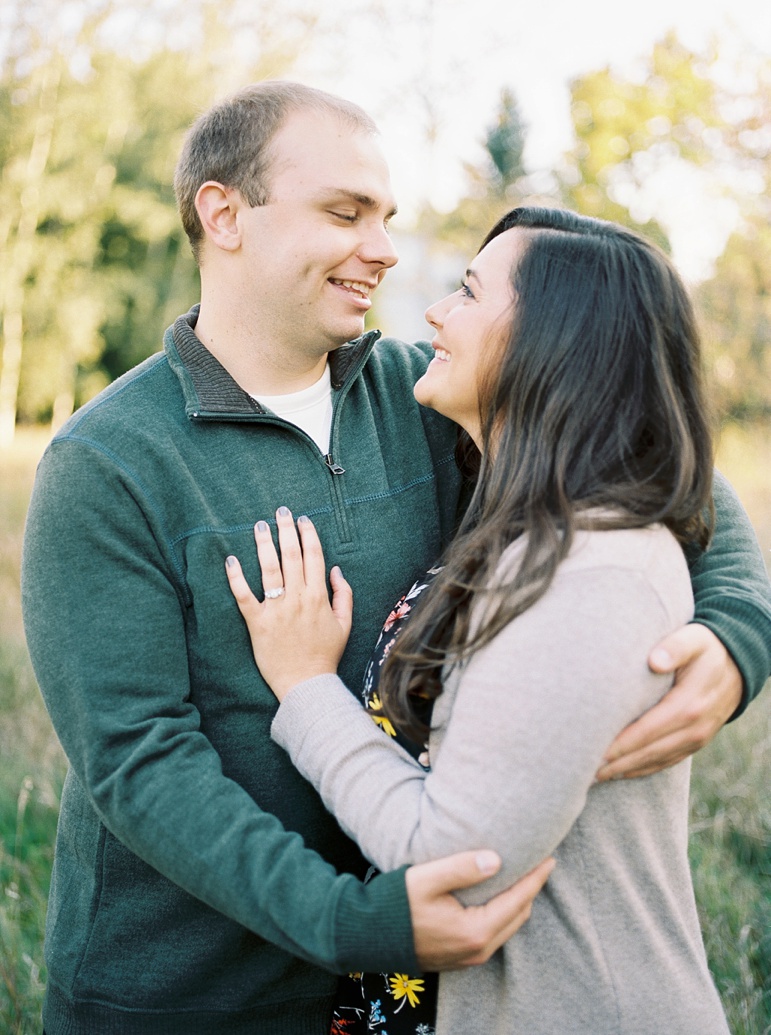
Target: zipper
335	469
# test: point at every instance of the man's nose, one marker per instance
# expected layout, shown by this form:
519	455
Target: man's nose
378	246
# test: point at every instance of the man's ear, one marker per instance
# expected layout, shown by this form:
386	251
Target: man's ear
217	207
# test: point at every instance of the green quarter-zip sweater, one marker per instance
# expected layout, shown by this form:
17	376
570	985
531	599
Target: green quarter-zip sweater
195	886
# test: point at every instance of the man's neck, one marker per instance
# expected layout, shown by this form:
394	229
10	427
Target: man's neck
259	367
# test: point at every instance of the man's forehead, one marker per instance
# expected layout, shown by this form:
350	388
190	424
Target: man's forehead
328	156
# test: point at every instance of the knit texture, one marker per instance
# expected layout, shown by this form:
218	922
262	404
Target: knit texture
613	945
195	883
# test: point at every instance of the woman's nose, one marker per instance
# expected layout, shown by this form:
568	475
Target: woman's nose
435	313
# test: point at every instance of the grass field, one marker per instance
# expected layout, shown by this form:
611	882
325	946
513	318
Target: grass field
731	807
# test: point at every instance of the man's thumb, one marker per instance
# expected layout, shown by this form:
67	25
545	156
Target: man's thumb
462	870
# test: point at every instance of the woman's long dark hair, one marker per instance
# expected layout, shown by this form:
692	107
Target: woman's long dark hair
593	415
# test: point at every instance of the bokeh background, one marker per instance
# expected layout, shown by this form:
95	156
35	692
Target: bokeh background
657	115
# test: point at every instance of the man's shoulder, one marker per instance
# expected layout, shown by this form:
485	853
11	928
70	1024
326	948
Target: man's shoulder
394	366
134	399
415	355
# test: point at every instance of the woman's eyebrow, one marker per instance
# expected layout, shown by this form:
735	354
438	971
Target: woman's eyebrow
473	273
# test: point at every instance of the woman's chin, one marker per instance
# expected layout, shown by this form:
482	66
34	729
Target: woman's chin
422	393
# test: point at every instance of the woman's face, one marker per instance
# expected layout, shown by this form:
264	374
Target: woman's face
468	323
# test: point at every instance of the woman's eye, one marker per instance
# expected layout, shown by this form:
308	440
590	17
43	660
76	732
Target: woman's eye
465	290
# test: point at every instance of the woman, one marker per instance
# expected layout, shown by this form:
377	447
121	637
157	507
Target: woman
569	357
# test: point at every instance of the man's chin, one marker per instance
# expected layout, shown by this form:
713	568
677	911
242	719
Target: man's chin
342	335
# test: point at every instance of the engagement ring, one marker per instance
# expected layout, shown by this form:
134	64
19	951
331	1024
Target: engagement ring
272	594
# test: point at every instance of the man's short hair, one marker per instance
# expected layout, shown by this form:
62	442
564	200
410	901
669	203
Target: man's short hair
230	143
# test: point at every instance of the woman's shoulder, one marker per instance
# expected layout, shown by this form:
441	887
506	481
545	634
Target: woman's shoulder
649	550
625	558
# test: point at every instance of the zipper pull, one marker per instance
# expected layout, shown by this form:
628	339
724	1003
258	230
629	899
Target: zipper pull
334	468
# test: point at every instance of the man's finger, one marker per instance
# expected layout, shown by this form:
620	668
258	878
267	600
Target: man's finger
662	720
662	737
681	646
453	872
447	935
508	911
652	759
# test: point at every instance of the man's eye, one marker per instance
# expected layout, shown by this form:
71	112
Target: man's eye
347	217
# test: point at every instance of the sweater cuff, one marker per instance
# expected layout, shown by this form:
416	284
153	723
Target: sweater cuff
320	701
373	929
744	632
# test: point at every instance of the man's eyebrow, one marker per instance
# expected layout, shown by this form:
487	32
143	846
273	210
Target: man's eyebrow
361	199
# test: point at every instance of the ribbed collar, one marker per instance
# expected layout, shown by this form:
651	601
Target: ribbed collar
215	389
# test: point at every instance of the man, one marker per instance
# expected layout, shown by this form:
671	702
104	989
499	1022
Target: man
189	890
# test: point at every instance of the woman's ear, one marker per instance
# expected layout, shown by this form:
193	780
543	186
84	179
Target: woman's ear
217	207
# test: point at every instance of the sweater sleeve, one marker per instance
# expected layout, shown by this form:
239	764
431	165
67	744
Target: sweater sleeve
732	591
522	737
105	625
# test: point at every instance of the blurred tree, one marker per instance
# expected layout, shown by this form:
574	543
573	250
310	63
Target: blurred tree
735	303
95	263
505	144
628	129
735	315
23	219
680	110
497	184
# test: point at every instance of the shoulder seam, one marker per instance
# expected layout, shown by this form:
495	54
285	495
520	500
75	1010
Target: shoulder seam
88	410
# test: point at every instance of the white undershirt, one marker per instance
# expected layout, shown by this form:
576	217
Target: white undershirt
310	410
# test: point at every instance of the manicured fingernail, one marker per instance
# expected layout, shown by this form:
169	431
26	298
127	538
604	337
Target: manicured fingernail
337	570
230	561
262	526
304	518
487	862
283	511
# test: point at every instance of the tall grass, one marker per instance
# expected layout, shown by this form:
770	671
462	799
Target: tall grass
31	771
730	843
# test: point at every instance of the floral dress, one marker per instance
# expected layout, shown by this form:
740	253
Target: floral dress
388	1004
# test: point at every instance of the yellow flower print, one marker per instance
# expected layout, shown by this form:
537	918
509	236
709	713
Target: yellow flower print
405	988
383	722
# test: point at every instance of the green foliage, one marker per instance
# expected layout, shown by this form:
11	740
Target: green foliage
108	261
627	128
97	262
678	110
731	835
735	311
31	772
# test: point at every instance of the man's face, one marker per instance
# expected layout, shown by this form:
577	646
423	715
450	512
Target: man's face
320	246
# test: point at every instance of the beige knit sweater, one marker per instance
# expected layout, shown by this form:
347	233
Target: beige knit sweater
613	946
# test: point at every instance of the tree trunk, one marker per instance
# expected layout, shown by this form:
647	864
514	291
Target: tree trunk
22	249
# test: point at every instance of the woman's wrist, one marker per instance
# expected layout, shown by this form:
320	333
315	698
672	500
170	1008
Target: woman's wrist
282	687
